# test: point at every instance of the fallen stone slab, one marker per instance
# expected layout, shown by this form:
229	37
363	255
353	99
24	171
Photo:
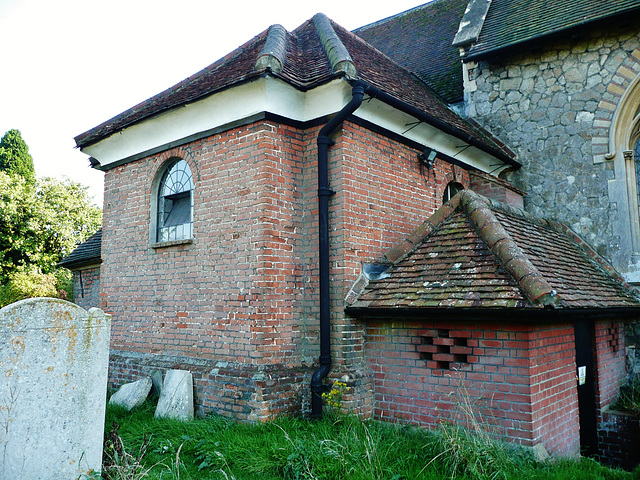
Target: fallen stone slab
176	399
132	395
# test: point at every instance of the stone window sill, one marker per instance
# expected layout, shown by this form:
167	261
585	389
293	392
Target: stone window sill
172	243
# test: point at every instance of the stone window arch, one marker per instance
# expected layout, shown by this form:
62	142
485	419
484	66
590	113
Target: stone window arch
624	189
172	203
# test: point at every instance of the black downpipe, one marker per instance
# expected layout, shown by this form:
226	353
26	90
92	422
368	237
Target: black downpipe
324	192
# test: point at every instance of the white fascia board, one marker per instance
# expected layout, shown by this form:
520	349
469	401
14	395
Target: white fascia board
265	94
401	123
269	94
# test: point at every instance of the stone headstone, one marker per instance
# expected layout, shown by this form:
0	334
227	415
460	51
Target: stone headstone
156	378
176	399
54	358
132	395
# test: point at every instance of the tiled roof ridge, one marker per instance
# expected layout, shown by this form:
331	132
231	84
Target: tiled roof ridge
396	254
337	53
565	230
479	211
274	51
423	83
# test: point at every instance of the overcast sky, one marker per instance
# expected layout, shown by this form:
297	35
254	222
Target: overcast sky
68	65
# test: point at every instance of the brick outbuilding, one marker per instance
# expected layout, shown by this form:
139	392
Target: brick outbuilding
487	308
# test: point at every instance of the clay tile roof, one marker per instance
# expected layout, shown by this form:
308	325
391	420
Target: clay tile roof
87	253
477	254
315	53
420	40
515	22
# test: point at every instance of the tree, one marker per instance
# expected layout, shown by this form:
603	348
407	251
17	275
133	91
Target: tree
14	156
40	223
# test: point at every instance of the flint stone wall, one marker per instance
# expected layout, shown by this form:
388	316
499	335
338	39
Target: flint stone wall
552	106
54	358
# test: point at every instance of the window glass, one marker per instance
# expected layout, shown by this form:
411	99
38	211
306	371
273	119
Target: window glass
450	191
175	203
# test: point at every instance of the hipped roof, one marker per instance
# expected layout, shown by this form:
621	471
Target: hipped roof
478	255
313	54
87	253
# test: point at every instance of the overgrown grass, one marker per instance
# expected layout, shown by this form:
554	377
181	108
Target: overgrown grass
629	398
336	447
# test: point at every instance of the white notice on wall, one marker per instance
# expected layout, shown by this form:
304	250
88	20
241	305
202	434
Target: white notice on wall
582	375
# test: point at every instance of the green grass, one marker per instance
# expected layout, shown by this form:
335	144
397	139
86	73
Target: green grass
337	447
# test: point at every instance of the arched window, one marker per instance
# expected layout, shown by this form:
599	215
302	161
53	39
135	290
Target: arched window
450	191
635	145
175	203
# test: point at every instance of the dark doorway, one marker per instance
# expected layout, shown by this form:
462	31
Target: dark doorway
584	334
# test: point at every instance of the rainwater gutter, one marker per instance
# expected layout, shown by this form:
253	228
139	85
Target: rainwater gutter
324	192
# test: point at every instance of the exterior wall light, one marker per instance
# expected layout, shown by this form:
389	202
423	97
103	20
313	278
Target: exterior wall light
428	157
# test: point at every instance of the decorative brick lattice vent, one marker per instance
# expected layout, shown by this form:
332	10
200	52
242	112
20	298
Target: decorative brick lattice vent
442	349
613	337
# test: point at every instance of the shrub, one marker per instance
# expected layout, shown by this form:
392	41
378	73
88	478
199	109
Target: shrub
29	282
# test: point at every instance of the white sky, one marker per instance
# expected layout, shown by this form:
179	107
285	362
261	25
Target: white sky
68	65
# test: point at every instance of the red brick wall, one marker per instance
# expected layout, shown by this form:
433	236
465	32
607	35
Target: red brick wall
86	287
497	189
232	295
618	433
554	389
382	195
244	292
518	380
610	361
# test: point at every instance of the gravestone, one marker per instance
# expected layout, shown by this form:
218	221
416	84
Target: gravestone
132	395
176	398
54	358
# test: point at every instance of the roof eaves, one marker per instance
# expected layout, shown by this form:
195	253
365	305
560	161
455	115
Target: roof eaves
496	314
475	53
505	155
85	140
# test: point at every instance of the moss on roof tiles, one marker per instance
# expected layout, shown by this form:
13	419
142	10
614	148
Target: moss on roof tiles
544	266
420	40
514	22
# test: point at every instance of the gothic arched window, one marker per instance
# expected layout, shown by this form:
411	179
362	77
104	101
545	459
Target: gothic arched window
175	203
